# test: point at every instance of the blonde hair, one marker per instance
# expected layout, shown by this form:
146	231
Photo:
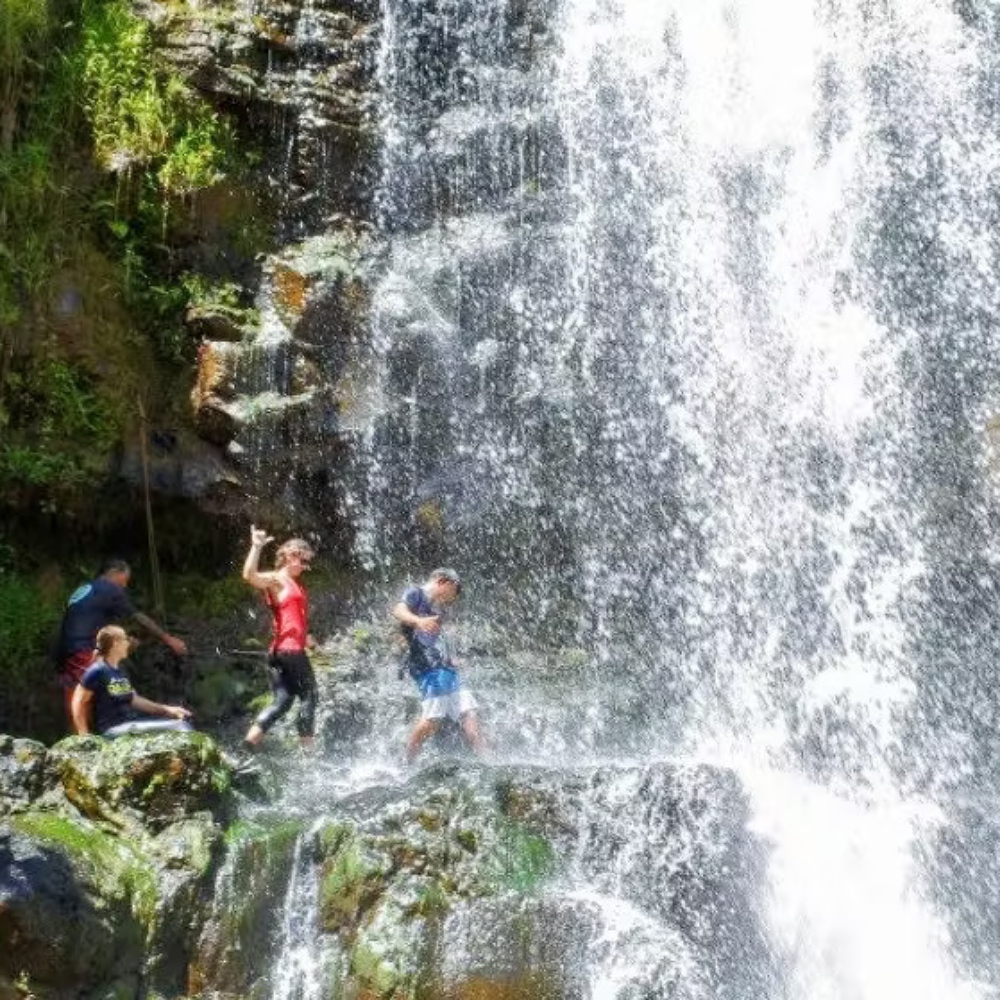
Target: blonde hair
106	638
290	547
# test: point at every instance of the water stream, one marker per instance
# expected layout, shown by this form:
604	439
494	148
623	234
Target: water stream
687	337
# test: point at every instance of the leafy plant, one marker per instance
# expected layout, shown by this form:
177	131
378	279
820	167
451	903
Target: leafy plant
27	620
140	115
24	28
70	426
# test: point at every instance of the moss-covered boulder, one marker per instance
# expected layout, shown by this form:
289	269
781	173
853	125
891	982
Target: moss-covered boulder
516	882
77	907
235	948
107	857
150	780
395	867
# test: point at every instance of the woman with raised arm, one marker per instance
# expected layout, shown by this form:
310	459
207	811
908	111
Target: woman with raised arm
291	672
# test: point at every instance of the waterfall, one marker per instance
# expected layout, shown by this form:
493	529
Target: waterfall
687	333
302	966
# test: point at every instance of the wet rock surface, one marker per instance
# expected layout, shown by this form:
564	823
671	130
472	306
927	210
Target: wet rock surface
464	879
107	851
352	876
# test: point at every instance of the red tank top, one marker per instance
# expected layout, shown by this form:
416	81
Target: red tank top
291	618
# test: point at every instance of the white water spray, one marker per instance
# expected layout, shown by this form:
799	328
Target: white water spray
661	294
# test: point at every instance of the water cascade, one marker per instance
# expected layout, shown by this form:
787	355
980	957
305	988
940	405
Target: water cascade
686	337
682	348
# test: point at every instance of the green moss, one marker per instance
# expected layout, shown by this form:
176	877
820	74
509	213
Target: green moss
109	863
353	878
519	860
236	833
362	638
372	968
390	951
275	837
468	839
432	901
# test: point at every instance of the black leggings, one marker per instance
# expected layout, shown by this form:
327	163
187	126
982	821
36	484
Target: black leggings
291	677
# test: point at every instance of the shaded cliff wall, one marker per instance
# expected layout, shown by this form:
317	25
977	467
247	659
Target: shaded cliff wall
160	163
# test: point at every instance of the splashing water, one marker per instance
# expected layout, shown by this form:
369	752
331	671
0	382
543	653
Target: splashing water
688	321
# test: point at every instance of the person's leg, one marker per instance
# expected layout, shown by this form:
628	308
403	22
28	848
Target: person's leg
136	727
473	734
279	707
69	676
465	708
67	690
422	731
305	690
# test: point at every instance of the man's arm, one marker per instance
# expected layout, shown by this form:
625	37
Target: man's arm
80	710
171	641
251	573
155	708
402	614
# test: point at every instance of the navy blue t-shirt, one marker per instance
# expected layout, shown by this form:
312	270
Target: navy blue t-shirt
428	657
88	610
113	693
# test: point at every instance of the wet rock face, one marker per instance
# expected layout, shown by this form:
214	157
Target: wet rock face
297	78
22	773
235	945
106	855
301	75
524	882
287	400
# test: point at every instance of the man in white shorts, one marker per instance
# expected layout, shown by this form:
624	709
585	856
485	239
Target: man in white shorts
430	663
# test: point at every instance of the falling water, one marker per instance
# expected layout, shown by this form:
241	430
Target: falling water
301	966
688	332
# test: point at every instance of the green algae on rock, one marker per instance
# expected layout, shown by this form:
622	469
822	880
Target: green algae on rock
153	779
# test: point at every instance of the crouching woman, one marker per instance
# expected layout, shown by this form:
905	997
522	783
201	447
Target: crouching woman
106	693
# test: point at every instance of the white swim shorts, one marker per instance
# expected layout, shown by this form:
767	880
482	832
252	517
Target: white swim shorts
447	706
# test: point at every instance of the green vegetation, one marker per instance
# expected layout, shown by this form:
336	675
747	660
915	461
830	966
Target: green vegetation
119	184
104	151
107	862
520	860
139	115
192	595
62	406
27	621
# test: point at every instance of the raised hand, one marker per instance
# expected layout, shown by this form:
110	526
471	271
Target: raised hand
259	537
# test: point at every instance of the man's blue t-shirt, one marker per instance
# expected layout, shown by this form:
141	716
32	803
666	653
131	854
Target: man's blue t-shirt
113	693
428	657
88	610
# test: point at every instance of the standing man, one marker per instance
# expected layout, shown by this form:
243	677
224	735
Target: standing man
430	663
291	672
104	601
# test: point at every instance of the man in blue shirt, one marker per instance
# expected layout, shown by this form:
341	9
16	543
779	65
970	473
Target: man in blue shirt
430	663
90	608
